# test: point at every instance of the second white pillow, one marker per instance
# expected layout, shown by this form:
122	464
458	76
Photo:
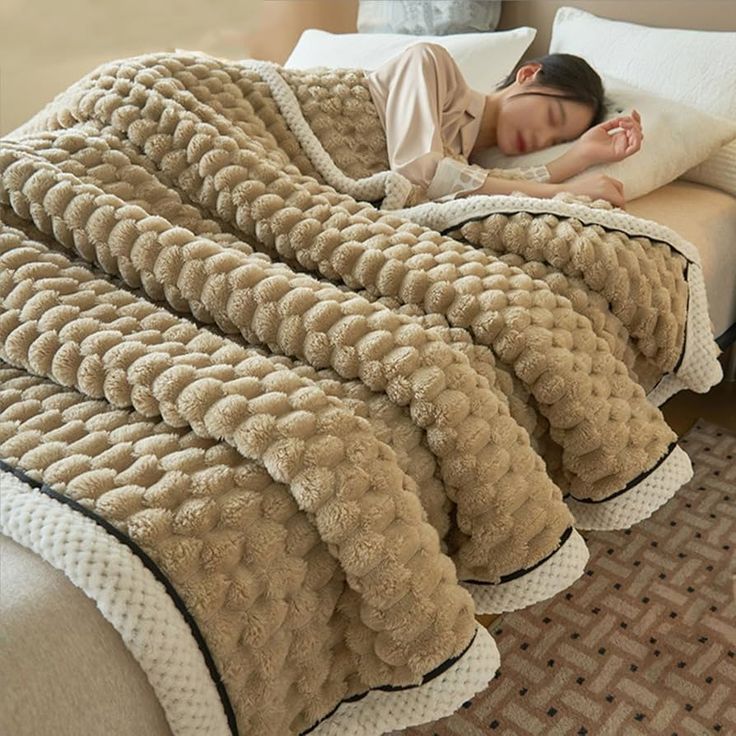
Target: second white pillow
676	138
484	58
695	68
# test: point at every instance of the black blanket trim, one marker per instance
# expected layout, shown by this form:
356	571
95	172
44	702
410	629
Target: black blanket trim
727	338
397	688
526	570
631	483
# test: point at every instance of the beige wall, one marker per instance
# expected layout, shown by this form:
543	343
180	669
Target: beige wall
45	45
282	22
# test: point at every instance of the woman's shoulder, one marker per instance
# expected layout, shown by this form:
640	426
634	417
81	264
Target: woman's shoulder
428	49
423	60
432	58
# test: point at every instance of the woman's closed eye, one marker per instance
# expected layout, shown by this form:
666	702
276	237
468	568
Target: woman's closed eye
554	123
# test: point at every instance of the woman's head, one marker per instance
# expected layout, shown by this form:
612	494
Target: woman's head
548	100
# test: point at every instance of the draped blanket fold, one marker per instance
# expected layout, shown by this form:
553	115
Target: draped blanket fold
316	421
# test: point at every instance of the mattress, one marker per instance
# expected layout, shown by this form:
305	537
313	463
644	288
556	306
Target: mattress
65	670
707	218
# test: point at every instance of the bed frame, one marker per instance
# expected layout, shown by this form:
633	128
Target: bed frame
291	17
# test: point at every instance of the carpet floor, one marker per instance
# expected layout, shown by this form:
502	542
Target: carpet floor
644	642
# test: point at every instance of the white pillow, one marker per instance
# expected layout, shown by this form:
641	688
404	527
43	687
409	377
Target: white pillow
484	58
718	170
675	139
696	68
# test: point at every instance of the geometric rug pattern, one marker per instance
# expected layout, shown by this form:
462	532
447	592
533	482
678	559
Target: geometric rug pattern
645	642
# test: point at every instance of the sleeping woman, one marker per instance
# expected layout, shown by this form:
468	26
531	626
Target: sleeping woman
435	124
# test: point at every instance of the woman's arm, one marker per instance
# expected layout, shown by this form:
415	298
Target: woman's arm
595	186
499	185
572	162
410	91
610	141
453	179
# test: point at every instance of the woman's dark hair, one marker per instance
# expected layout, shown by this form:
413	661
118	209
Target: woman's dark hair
572	76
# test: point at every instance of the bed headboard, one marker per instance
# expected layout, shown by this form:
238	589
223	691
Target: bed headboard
283	21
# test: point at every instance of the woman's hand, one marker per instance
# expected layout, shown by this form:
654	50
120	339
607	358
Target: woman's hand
596	186
599	146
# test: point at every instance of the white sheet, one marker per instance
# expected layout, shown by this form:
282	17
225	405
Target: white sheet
707	218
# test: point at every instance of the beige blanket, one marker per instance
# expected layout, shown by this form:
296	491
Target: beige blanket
309	416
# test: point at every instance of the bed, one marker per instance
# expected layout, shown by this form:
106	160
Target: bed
58	644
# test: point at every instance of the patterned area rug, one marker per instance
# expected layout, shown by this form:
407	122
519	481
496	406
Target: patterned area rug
644	642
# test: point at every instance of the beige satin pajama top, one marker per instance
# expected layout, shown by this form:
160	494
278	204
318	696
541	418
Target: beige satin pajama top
432	119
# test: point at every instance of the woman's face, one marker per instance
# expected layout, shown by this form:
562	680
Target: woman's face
532	122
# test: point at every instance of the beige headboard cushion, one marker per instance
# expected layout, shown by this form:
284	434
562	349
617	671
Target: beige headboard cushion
282	21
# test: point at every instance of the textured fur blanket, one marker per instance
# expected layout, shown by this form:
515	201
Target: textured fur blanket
290	425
